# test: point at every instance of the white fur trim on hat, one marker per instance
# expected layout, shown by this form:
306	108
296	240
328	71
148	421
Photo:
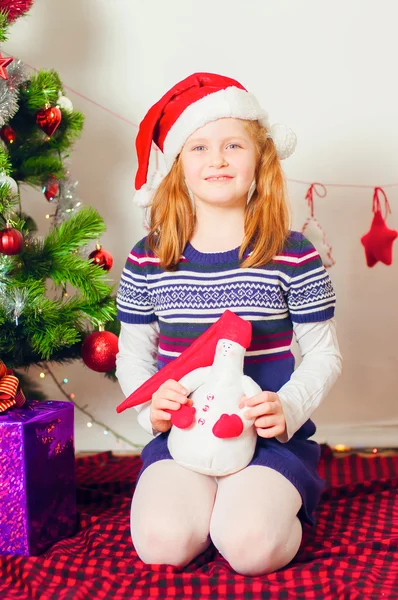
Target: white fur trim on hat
232	102
143	196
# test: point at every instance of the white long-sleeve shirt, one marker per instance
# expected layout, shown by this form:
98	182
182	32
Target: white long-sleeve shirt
309	384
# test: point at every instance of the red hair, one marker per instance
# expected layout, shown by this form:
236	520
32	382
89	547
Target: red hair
172	218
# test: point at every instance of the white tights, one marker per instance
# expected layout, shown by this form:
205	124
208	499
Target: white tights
251	517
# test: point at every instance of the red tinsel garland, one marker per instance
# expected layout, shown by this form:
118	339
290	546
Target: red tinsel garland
15	8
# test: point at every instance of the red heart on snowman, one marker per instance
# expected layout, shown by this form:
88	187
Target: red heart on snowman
228	426
183	417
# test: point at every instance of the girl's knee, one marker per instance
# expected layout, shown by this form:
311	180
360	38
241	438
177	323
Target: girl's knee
161	545
252	552
257	559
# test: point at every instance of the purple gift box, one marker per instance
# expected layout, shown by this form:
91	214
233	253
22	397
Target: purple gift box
37	477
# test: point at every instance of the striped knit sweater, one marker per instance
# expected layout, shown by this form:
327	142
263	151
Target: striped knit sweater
294	287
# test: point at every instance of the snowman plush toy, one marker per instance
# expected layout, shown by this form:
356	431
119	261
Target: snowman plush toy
212	436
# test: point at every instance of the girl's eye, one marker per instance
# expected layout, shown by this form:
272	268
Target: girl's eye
200	148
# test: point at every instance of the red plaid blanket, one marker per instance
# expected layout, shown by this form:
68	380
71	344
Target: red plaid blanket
351	554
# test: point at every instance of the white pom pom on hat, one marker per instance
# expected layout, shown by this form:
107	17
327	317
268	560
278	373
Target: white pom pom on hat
284	138
189	105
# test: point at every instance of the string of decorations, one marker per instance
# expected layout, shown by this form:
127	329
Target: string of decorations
156	149
377	242
344	185
83	409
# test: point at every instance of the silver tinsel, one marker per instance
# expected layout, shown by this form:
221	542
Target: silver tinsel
13	301
9	90
68	201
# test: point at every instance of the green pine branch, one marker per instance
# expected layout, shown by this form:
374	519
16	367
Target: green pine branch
8	205
100	312
42	88
8	202
82	274
3	26
34	170
85	226
5	163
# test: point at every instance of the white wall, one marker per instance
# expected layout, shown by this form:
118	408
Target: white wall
327	69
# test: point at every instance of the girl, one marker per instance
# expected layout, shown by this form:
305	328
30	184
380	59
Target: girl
219	238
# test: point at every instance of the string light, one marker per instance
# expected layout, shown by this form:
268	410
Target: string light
341	448
92	420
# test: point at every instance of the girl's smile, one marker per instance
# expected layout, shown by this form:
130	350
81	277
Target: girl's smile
219	178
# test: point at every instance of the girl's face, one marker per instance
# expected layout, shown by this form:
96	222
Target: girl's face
219	162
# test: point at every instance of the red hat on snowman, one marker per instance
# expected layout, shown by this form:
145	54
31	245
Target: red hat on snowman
189	105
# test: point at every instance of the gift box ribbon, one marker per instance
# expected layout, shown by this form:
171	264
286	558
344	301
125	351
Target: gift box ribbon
10	391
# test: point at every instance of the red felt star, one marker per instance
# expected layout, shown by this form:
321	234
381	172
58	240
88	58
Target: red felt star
4	62
378	241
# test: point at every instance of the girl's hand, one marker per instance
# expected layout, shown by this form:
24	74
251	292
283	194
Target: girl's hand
170	395
266	409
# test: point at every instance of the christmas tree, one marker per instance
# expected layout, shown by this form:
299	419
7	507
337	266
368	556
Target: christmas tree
52	295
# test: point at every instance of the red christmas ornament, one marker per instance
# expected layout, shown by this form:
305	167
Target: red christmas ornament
51	188
4	62
8	134
48	119
15	8
11	241
379	239
99	351
102	258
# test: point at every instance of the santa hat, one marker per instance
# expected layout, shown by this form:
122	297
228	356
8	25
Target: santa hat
189	105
